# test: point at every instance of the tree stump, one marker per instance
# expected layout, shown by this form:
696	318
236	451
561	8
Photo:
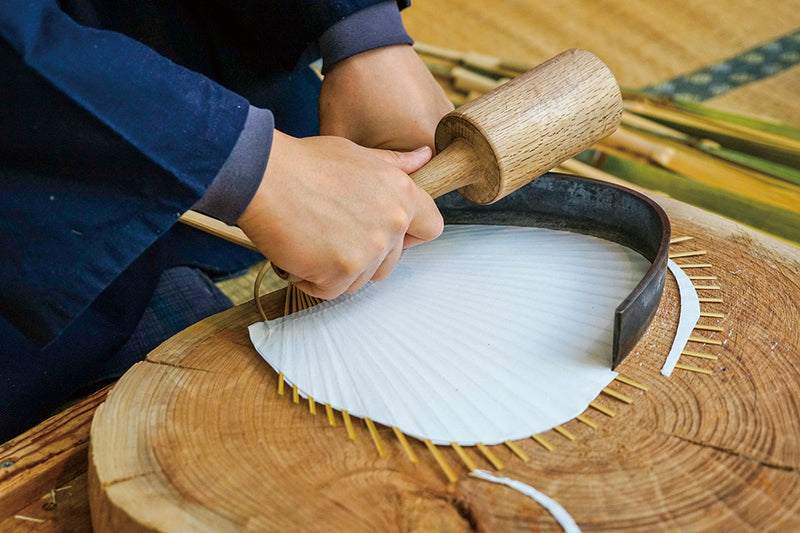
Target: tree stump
197	438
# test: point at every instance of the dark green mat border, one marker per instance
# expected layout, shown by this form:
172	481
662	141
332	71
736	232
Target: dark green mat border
752	65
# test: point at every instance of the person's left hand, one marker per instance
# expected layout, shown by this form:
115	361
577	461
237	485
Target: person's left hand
382	98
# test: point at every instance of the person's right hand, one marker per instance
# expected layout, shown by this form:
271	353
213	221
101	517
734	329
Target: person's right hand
337	215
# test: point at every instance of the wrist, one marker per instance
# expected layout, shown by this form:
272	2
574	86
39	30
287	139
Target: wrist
258	207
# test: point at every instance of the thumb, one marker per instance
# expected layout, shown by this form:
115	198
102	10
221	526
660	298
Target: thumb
408	162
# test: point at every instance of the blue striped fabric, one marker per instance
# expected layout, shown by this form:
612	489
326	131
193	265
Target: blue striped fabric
183	296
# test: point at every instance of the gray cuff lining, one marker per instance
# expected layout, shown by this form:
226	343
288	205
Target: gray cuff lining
237	181
373	27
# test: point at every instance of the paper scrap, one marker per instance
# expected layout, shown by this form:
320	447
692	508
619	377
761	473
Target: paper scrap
690	314
563	518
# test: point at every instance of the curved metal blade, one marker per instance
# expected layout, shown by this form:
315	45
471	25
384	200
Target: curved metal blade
591	207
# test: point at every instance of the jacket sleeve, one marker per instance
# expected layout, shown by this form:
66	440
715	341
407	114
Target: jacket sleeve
372	27
104	144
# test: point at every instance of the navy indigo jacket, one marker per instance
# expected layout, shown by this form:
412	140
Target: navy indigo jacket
115	118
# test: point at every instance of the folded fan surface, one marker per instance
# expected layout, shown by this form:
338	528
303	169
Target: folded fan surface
486	334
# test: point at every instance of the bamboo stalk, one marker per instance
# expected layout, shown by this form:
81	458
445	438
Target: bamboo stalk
710	122
704	168
475	60
713	148
438	51
627	169
217	228
469	81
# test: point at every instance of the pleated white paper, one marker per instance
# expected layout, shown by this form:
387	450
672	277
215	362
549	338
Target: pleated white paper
486	334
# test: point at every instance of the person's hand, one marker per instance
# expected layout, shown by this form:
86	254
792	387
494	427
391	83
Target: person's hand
336	214
382	98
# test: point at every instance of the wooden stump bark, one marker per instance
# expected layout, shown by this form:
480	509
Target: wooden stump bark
196	438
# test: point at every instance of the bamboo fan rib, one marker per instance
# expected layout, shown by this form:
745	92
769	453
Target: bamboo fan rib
487	334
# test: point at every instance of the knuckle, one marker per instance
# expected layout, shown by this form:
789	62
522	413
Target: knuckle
407	187
398	221
350	263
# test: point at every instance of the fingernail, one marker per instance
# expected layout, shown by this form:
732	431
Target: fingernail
422	149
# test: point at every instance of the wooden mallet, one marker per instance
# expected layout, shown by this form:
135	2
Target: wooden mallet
504	139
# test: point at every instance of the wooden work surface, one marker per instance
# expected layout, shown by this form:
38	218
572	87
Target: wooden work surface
199	427
197	436
198	430
749	439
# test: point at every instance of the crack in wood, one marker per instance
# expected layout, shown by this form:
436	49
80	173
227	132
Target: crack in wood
107	484
178	366
760	462
464	508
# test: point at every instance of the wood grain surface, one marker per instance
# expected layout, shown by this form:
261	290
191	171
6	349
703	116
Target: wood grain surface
197	438
43	473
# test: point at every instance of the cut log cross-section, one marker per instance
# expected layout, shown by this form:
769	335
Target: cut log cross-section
197	437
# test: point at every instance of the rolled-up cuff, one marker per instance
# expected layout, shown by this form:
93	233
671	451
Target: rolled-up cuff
237	181
373	27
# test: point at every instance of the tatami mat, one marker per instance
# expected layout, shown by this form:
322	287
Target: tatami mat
643	42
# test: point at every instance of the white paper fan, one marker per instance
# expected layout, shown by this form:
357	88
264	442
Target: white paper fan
486	334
